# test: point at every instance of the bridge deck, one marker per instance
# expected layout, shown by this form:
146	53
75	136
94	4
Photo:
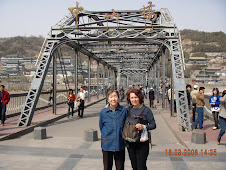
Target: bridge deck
65	148
41	118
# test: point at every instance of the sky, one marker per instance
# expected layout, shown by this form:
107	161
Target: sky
35	17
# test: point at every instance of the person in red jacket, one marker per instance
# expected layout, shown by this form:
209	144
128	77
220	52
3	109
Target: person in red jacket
70	102
4	100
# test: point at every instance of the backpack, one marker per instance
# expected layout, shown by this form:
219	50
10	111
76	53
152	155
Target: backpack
130	133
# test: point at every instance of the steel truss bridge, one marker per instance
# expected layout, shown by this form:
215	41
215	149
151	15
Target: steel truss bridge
128	45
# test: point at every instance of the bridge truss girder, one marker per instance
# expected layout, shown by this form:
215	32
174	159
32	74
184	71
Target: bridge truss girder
95	33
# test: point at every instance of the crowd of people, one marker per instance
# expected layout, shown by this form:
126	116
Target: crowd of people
218	108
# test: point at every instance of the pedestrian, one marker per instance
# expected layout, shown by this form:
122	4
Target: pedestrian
111	123
222	116
81	107
174	100
215	106
50	90
70	102
151	97
193	100
188	90
200	104
139	151
146	92
4	100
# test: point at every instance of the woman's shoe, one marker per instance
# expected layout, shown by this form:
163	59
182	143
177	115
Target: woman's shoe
218	142
214	128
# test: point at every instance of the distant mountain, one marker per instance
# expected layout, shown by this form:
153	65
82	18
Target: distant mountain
193	42
22	46
200	42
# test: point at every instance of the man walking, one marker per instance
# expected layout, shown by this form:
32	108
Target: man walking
151	97
193	100
4	100
188	89
200	104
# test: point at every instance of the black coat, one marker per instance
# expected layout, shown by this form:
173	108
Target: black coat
151	95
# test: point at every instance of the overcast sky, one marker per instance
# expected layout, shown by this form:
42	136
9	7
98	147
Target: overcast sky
35	17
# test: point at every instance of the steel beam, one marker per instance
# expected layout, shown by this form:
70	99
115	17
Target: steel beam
163	78
158	80
76	72
55	56
98	92
89	81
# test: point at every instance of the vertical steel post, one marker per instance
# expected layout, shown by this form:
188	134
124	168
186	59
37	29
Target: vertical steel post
108	77
54	81
76	72
149	78
155	83
119	82
163	78
127	81
89	82
103	80
98	75
158	80
172	94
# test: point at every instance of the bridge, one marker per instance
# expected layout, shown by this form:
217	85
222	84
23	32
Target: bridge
127	48
129	45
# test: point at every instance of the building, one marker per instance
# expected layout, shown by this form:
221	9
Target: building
197	60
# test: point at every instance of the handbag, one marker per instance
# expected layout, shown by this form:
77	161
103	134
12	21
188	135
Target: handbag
215	109
130	133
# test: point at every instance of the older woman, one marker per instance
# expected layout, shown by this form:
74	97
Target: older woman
139	151
111	125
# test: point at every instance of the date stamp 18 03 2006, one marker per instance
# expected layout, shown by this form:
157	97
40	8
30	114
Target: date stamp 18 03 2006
191	152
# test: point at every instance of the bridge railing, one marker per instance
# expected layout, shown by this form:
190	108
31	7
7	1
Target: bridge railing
17	101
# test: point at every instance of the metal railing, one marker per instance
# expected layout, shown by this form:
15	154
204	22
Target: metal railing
17	101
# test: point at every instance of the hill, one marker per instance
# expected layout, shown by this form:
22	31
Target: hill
200	42
193	42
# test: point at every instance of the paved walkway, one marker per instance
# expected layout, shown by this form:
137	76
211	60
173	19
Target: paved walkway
65	148
40	118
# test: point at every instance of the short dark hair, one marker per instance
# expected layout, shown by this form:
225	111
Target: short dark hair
201	88
138	93
188	85
2	86
70	90
112	91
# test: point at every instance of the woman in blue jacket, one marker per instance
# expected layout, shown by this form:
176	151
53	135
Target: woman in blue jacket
215	106
111	123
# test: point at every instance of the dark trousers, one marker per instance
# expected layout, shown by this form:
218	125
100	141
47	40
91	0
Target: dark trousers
175	106
151	102
81	109
223	128
138	154
199	119
119	157
2	112
50	98
70	107
193	111
215	117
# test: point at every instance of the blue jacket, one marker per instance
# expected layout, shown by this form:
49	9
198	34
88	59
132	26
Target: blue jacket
216	100
111	125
